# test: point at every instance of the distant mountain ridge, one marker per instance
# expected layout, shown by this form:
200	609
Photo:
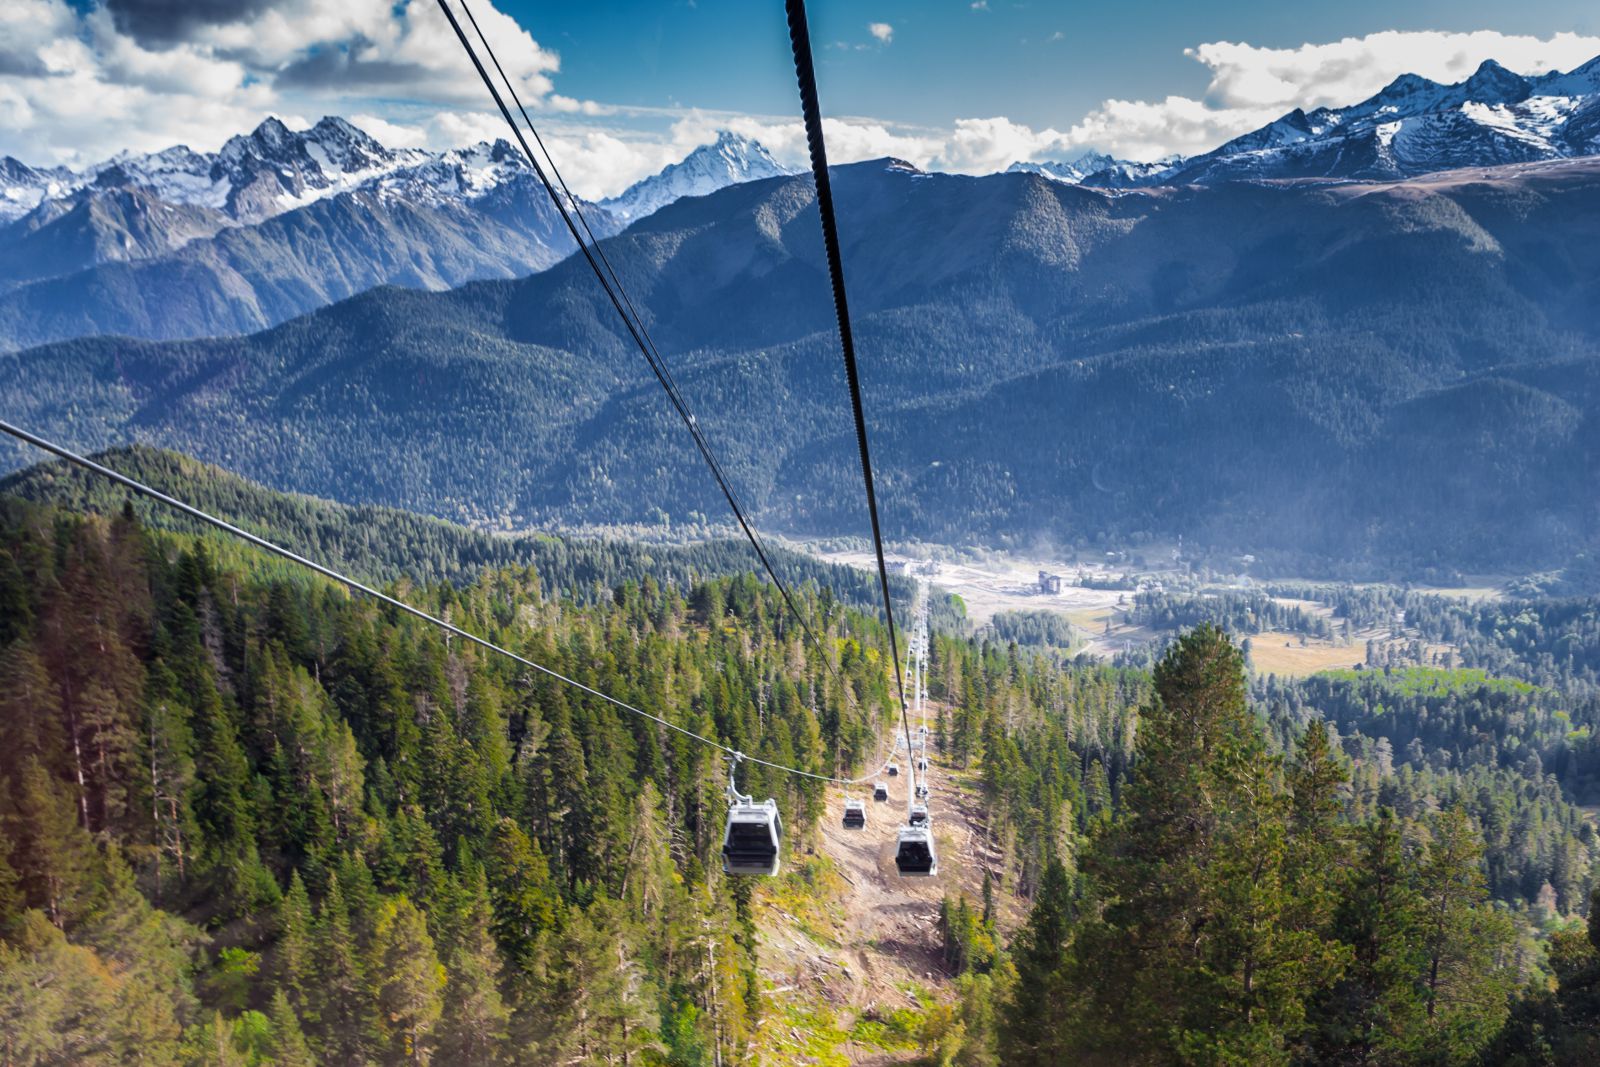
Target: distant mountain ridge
1417	126
278	222
1412	126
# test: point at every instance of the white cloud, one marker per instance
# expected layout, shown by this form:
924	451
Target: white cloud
1146	130
1343	72
980	5
882	31
77	86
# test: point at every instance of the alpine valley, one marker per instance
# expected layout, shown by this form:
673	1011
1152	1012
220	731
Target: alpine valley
1390	371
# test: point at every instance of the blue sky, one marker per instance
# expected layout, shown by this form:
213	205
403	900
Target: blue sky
948	60
623	87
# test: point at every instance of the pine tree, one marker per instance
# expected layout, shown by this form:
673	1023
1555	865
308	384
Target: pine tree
1466	984
55	859
30	713
168	778
1373	1014
409	982
524	903
474	1022
341	1015
287	1043
11	900
1196	955
213	1045
296	965
1032	1036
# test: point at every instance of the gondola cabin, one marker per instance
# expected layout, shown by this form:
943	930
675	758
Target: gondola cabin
855	815
914	855
919	815
894	769
922	791
880	792
750	843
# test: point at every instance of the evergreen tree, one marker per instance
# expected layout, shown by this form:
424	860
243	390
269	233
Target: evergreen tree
296	963
287	1043
1033	1037
54	858
474	1021
409	982
340	1016
1374	1013
1466	984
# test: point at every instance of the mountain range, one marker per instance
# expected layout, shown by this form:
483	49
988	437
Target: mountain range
278	222
1412	126
180	244
1335	378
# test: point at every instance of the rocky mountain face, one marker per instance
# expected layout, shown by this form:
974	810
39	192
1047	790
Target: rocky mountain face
278	222
1417	126
730	160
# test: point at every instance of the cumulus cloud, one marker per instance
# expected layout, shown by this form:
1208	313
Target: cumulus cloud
79	83
882	31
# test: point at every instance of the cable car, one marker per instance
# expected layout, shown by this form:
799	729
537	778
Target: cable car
880	792
919	815
922	764
922	791
750	841
914	855
855	815
894	769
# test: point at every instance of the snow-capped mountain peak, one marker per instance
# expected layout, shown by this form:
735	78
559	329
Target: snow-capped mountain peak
1415	125
23	188
1097	169
729	160
1069	172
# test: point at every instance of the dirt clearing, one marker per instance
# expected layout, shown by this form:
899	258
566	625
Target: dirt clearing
851	953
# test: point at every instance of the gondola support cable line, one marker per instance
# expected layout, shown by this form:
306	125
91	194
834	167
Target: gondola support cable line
915	855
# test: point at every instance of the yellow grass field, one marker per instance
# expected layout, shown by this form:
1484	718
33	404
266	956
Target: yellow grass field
1269	655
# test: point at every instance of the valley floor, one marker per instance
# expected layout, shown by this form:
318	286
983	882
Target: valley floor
999	583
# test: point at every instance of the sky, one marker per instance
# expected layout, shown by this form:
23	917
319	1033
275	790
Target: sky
622	87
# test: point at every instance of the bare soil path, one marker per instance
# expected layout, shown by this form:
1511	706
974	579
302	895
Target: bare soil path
846	943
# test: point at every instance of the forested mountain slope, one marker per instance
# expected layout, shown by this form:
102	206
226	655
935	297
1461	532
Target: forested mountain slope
383	544
1393	375
244	816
